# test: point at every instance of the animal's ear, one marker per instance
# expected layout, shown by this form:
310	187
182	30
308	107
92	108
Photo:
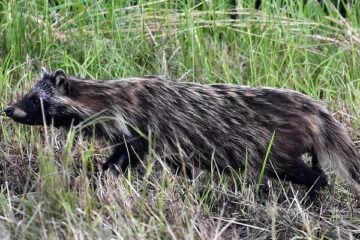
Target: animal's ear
60	81
44	72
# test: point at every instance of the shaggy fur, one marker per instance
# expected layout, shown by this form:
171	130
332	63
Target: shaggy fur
195	123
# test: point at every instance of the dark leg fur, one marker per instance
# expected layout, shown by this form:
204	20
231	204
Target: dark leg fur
314	178
118	155
315	163
322	182
123	156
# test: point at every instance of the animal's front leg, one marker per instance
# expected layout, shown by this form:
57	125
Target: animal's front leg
123	156
118	157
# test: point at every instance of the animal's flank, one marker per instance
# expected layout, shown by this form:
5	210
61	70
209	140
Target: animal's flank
229	124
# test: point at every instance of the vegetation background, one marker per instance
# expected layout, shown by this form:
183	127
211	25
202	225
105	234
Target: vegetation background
46	191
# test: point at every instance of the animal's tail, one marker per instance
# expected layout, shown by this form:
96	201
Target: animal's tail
336	145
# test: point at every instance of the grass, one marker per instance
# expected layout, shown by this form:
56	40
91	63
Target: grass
45	189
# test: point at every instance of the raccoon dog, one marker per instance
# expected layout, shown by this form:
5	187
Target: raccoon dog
195	124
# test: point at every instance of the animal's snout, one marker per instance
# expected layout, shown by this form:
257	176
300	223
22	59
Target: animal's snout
9	111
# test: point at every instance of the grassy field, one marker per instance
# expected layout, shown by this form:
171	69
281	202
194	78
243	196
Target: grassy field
45	189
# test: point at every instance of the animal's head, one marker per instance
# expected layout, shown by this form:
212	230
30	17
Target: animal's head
47	99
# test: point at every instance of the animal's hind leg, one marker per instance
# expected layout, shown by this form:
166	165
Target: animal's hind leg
315	163
298	172
317	168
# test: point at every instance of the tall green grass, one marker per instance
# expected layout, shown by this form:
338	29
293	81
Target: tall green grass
47	192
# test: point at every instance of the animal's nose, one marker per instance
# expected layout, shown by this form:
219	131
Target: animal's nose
9	111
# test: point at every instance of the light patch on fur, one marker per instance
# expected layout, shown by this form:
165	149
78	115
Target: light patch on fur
19	113
121	124
115	124
44	72
313	123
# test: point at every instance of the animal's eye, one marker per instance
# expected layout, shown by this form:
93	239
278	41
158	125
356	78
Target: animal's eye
35	99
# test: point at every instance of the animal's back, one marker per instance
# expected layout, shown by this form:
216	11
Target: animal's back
231	123
233	126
